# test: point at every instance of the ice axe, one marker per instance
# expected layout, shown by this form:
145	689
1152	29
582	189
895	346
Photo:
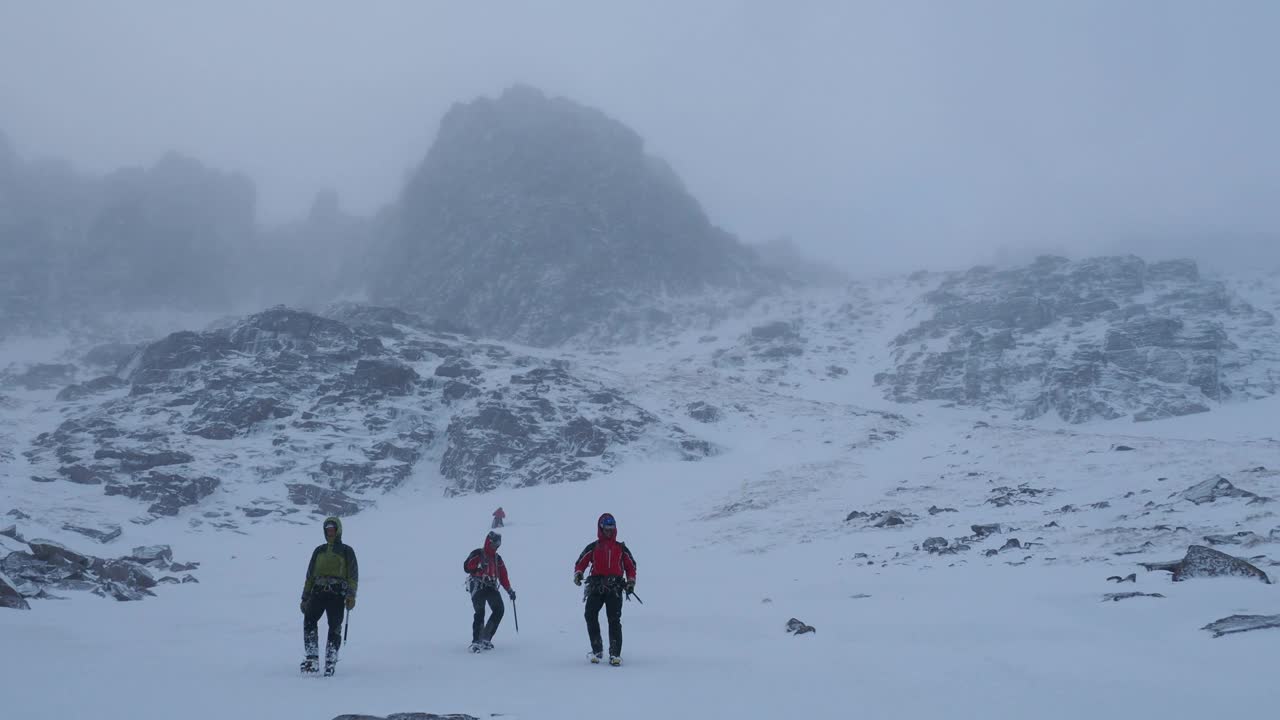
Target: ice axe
632	594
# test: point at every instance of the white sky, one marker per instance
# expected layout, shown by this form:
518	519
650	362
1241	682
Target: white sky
880	135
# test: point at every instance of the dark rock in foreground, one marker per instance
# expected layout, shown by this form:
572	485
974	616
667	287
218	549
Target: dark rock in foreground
1242	623
798	627
1201	561
9	595
1214	489
1117	597
407	716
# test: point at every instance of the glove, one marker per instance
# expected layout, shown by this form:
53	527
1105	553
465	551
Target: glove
511	594
351	602
631	586
577	578
303	606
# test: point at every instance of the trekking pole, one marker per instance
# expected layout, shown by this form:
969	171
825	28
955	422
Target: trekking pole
346	625
515	614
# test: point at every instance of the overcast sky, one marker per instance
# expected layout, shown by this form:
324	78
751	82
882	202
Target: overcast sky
882	135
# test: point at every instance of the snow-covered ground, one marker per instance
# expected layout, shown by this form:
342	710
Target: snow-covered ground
728	549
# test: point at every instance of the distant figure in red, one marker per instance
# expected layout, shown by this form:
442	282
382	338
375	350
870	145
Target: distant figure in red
498	516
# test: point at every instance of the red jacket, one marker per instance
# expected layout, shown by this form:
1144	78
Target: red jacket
486	564
607	557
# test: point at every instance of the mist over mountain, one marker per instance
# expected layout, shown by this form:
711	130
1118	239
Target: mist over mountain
536	218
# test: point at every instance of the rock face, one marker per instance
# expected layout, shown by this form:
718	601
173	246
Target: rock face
9	595
407	716
537	219
1099	338
1201	561
51	566
325	411
1242	623
1215	489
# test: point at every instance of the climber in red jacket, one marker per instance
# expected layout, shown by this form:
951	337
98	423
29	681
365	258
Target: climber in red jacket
613	572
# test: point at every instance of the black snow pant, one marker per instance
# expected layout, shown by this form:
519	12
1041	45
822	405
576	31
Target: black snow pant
334	605
611	600
486	594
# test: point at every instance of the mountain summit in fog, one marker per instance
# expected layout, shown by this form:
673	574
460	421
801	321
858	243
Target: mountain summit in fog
536	218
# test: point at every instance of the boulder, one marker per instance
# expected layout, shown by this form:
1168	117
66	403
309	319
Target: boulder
1201	561
1242	623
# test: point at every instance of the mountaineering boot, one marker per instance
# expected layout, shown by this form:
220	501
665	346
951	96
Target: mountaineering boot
310	665
614	660
595	657
475	647
486	645
329	667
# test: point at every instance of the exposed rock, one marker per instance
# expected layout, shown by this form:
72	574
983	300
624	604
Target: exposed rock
1121	448
1131	577
1099	338
1244	537
798	627
934	510
1021	495
935	544
157	555
407	716
12	532
1011	544
536	431
703	412
326	501
139	460
537	219
105	534
16	513
385	376
96	386
982	531
1214	489
1242	623
1201	561
9	595
168	493
1116	597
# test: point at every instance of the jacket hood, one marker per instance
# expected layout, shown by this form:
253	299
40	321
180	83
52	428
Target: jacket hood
600	531
337	537
489	549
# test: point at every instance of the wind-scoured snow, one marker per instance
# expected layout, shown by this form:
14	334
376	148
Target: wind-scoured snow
887	527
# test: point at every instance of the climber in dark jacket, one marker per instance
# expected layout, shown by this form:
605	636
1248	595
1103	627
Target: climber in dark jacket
330	588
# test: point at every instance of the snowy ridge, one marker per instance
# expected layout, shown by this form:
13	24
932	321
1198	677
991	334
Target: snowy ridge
887	527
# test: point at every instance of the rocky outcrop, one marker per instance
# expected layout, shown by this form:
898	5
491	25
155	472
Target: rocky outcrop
1242	623
1201	562
49	566
9	595
326	413
1214	489
1099	338
407	716
537	219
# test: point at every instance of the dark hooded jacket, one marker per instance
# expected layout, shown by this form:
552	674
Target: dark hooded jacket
333	566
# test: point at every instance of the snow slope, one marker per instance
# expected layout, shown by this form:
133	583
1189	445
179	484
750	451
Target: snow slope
729	549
